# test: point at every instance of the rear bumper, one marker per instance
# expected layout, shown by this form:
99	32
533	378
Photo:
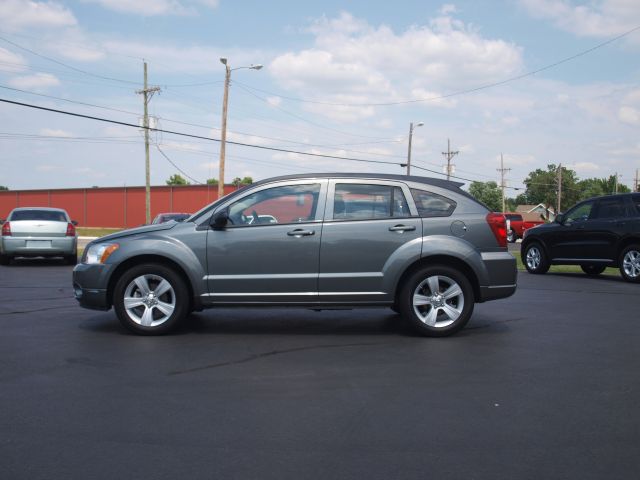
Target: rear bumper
90	283
502	271
38	246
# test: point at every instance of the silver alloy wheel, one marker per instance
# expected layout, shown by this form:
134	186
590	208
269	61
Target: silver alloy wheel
631	263
438	301
533	258
149	300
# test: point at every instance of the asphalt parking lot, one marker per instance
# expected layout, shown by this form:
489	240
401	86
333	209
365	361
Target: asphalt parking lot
543	385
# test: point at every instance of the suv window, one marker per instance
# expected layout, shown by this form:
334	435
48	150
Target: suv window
579	213
431	204
44	215
636	201
363	202
609	208
513	216
286	204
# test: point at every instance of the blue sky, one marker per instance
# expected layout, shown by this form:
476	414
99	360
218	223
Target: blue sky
339	61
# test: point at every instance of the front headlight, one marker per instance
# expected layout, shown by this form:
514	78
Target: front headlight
99	252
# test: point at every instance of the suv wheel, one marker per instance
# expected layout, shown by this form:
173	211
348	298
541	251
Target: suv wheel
437	301
630	263
535	259
593	269
150	299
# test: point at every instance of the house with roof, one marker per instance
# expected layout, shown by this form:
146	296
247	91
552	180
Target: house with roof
537	212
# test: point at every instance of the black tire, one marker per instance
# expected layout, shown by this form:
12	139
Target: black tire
511	236
4	259
593	269
630	263
71	259
434	319
159	318
538	263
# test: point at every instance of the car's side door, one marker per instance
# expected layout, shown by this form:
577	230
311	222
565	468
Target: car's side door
569	241
608	224
268	250
367	222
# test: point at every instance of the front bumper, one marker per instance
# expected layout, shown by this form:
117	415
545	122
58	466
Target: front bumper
502	271
38	246
90	285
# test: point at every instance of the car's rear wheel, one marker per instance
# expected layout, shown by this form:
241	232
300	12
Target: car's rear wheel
4	259
593	269
437	301
630	263
535	260
151	299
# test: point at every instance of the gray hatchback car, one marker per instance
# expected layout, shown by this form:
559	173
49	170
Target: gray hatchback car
420	246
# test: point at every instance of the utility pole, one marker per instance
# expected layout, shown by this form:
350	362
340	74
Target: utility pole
449	155
502	171
636	184
147	94
559	187
411	127
223	133
615	189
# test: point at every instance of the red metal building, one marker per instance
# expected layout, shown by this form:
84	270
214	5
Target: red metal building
117	207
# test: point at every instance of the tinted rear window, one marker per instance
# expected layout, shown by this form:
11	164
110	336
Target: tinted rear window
512	216
636	201
431	204
45	215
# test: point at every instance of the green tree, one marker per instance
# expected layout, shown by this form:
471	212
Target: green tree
246	181
176	179
212	181
542	187
488	193
2	187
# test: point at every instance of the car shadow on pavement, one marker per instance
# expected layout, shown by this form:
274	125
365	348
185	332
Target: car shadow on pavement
37	262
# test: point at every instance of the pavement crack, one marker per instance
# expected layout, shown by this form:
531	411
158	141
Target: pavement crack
258	356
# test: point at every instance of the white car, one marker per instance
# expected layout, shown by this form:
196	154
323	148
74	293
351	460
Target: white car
39	232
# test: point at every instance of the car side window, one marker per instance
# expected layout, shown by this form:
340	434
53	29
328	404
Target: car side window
365	202
285	204
431	204
635	199
609	208
580	213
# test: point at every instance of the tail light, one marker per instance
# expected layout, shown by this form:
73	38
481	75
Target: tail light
6	229
71	230
498	224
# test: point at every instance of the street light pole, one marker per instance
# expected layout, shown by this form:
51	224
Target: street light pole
223	133
411	127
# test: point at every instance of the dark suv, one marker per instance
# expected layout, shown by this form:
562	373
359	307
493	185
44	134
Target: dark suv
421	246
597	233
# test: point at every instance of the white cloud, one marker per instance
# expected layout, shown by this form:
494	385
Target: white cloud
38	81
629	115
18	15
12	61
374	64
52	132
585	167
274	101
601	18
150	8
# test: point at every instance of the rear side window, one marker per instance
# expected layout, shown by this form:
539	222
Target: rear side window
366	202
609	208
431	204
44	215
512	216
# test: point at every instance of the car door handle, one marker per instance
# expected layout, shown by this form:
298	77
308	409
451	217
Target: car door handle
402	228
299	232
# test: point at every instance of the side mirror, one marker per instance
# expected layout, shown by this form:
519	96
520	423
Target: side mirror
219	220
560	218
74	223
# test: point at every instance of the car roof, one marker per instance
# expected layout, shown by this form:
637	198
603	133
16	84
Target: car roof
48	209
387	176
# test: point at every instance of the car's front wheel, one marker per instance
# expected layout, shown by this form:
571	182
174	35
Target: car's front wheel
437	301
630	263
593	269
535	260
150	299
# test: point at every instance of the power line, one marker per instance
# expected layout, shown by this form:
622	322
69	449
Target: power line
460	92
177	167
